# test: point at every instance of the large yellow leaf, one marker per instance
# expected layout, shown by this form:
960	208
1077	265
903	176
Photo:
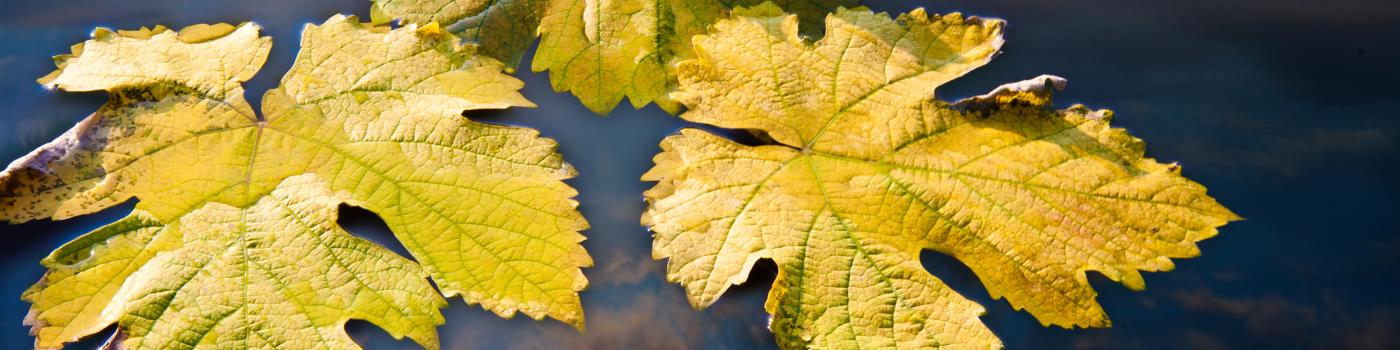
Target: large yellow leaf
601	50
233	242
867	169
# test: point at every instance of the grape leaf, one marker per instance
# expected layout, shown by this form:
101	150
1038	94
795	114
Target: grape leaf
866	169
601	50
233	242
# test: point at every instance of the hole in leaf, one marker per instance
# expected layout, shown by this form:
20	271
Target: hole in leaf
761	277
956	275
746	137
365	224
493	116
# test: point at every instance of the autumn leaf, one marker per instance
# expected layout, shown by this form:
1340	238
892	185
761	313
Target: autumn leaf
867	169
601	50
234	243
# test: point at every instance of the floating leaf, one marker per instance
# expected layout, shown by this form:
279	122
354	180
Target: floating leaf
601	50
867	169
234	242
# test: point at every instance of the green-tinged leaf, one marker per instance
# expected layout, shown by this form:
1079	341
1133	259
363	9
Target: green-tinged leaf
601	50
233	242
867	169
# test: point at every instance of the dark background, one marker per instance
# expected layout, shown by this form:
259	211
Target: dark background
1287	110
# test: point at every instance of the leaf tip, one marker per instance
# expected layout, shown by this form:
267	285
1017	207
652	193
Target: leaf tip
199	33
431	30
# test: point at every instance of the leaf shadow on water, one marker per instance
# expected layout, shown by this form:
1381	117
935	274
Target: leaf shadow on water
370	336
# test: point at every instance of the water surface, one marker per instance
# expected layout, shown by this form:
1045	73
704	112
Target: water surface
1287	110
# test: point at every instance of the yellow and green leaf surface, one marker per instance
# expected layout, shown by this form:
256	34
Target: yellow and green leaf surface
866	169
601	50
233	243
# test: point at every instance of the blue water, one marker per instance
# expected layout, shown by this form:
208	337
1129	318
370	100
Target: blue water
1287	110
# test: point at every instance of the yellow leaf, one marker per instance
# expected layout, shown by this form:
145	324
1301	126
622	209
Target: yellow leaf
867	169
601	50
233	241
